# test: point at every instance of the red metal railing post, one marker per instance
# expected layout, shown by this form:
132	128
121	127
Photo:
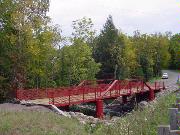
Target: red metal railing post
69	96
16	92
142	89
130	88
53	99
110	92
83	94
95	93
119	88
116	89
137	88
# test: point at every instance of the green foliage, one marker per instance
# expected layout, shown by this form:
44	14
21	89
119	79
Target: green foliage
26	45
107	47
152	53
76	63
175	51
126	57
83	30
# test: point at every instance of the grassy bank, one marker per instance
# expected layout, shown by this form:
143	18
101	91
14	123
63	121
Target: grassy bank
40	123
143	122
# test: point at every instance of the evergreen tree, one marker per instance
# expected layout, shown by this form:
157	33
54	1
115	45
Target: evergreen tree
106	43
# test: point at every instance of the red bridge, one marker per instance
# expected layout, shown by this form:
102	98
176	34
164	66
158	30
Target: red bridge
90	91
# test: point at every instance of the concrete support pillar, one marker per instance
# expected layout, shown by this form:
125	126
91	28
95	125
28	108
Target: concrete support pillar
99	109
151	95
124	99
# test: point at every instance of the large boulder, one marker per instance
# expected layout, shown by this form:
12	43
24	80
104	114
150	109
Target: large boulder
142	105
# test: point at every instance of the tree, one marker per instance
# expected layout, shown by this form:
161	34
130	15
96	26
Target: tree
26	43
76	64
83	30
152	53
174	50
106	44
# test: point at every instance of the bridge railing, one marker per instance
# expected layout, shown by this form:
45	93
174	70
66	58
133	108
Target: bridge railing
31	94
101	89
123	85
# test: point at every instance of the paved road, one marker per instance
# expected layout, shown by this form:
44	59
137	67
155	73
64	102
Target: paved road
173	76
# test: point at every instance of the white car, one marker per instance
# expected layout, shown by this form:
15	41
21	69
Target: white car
165	76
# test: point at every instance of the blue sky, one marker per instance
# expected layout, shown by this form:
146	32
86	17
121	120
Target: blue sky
148	16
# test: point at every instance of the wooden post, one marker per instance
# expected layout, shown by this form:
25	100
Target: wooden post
164	130
173	118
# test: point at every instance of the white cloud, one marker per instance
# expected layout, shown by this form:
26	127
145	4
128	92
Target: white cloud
146	15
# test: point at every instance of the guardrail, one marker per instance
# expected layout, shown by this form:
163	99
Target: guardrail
174	119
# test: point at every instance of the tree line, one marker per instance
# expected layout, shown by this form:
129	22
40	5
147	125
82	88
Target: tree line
34	54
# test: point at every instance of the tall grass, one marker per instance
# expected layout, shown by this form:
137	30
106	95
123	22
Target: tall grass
38	123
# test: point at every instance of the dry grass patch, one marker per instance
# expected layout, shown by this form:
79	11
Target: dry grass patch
38	123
